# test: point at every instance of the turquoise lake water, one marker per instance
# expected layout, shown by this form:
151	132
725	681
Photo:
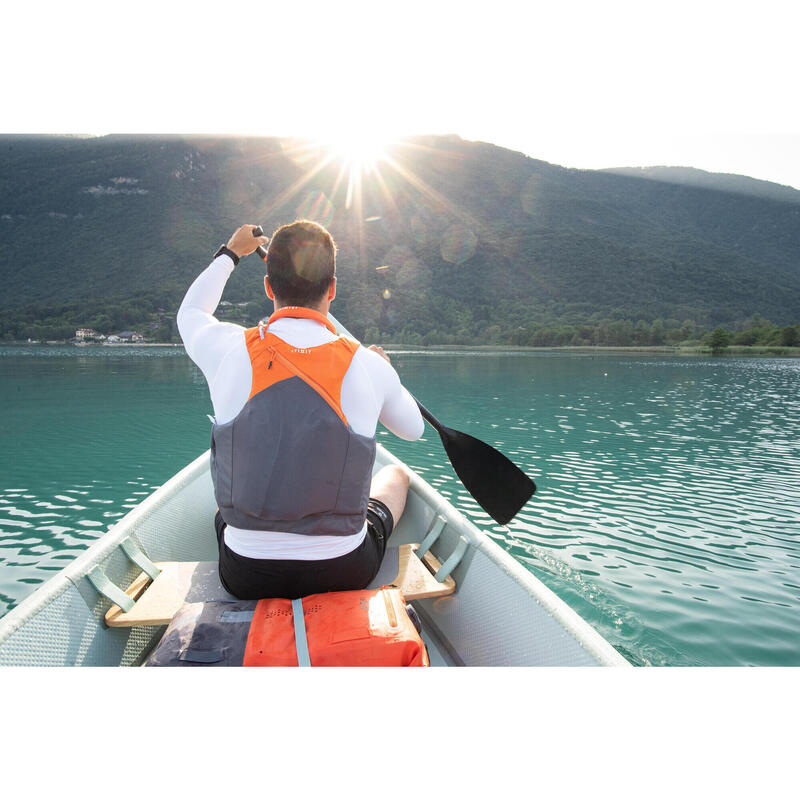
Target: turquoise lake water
668	509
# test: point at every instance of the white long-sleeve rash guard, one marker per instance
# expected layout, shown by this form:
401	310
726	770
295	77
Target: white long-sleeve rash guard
371	391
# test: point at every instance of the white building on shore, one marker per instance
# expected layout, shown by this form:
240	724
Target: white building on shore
130	336
82	334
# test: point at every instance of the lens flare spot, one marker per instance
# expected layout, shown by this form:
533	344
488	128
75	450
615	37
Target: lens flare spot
307	258
458	244
419	230
386	294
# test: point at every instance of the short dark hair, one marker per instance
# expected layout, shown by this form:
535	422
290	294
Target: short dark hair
301	263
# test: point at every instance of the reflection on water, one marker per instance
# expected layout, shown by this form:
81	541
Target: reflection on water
668	509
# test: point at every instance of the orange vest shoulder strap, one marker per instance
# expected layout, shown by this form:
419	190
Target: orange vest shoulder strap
322	367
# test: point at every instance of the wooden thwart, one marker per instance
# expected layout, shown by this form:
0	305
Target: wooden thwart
416	580
158	603
161	600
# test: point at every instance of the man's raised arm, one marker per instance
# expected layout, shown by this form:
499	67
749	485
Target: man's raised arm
203	335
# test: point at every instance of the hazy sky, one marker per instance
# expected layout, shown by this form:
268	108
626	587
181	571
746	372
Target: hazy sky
582	84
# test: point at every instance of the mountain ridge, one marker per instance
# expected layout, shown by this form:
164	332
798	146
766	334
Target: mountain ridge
724	181
471	235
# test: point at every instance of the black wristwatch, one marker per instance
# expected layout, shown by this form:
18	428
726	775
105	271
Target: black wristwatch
227	252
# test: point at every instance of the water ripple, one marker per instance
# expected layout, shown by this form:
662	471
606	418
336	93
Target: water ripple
671	495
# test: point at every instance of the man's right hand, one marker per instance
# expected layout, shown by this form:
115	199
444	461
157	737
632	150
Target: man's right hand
379	351
243	242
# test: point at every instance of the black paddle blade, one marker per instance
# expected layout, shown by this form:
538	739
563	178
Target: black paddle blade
499	486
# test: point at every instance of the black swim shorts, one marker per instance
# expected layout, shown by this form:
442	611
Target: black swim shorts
256	578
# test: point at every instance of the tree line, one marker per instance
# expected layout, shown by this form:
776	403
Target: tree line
755	331
416	319
147	314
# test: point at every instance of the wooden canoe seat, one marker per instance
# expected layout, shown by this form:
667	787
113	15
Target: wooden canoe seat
198	581
416	578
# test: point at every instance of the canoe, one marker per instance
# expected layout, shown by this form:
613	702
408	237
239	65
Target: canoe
498	615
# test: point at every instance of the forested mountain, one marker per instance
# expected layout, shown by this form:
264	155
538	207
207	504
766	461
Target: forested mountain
447	239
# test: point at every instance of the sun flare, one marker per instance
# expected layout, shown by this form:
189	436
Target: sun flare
358	151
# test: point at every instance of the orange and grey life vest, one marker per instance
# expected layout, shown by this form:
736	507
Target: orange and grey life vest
289	460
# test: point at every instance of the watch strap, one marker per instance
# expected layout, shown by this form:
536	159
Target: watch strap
227	252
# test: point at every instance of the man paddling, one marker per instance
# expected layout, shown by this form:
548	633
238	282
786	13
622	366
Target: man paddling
293	442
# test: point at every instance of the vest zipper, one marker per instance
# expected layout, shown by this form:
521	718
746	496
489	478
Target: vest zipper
292	368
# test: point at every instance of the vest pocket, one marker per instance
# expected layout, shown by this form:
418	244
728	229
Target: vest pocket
356	475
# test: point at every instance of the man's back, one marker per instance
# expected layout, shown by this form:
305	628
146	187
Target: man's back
370	392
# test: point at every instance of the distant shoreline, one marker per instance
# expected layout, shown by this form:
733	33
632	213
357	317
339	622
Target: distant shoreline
92	344
775	351
760	352
136	344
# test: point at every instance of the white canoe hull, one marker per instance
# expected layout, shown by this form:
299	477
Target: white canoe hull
500	614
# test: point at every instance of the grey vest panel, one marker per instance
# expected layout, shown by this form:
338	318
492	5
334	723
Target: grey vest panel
287	462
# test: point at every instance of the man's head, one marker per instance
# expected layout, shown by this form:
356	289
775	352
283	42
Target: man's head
301	265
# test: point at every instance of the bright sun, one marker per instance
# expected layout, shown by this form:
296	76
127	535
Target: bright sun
358	151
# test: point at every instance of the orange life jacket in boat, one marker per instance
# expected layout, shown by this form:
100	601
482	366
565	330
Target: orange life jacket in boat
367	628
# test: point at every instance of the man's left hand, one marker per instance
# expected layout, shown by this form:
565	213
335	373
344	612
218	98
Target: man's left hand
243	242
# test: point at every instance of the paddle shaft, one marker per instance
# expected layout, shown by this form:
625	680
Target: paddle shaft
427	415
